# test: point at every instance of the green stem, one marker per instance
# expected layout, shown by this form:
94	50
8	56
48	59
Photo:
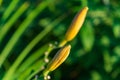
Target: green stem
62	43
33	74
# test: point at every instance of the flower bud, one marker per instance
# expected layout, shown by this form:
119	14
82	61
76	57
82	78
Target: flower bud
76	24
58	59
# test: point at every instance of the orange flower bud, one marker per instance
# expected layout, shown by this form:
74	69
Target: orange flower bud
76	24
58	59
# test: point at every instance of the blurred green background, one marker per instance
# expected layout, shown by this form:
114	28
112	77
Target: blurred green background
95	53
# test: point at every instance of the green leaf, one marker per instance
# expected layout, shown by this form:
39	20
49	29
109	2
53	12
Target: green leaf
87	36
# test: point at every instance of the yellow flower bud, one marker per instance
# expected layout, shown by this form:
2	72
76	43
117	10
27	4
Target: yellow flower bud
76	24
58	59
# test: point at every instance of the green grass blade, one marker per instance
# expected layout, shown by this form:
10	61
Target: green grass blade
1	2
36	55
30	46
5	28
20	31
9	10
35	68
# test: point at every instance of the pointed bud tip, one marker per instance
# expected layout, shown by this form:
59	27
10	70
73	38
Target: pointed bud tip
69	46
86	8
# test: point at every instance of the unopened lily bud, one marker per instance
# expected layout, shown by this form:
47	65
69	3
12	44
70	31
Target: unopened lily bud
58	59
76	24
